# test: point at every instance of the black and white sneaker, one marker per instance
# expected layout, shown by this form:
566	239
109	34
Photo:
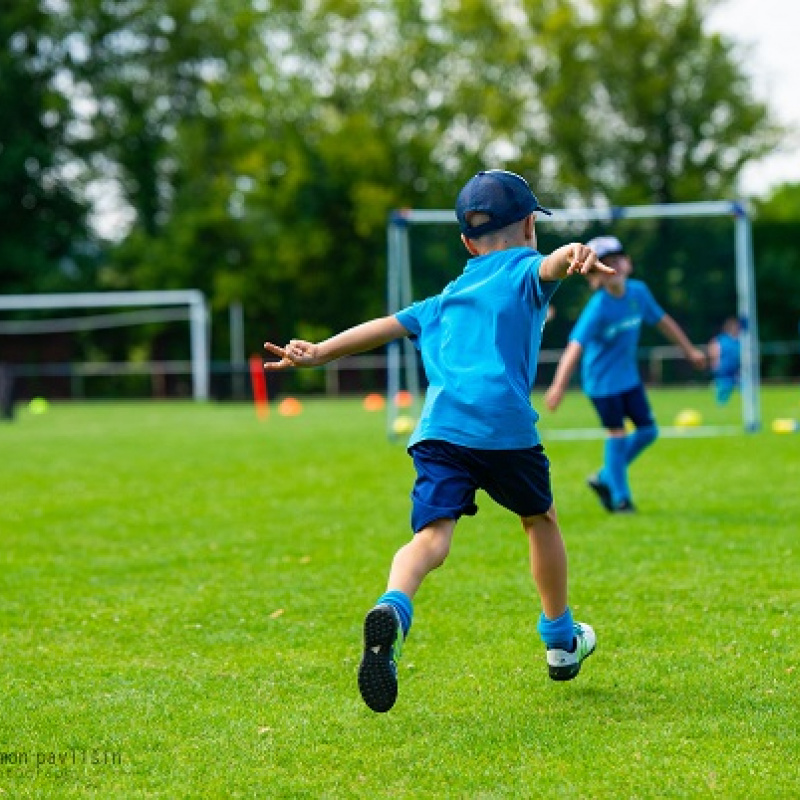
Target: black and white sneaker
383	642
564	665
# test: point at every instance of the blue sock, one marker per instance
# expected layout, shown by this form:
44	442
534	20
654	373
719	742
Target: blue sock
724	385
557	633
402	603
637	441
616	469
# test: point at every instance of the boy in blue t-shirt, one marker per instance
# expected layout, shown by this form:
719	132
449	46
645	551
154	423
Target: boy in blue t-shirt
479	340
724	355
606	337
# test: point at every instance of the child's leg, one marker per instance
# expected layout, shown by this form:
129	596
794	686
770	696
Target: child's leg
424	553
548	560
639	440
412	562
724	388
568	643
637	409
611	482
615	467
388	622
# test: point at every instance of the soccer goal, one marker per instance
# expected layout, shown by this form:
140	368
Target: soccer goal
155	306
408	268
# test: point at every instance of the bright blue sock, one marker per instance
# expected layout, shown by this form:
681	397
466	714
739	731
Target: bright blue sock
557	633
637	441
724	388
616	468
403	605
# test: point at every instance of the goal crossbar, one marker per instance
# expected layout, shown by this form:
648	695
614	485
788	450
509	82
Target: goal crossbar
193	299
400	294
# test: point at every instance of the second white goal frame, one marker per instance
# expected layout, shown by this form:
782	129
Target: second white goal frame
196	313
402	358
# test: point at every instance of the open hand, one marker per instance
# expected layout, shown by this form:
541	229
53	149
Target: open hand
297	353
553	397
583	260
697	358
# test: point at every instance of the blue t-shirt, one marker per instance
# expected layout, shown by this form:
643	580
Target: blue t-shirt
729	355
479	340
608	330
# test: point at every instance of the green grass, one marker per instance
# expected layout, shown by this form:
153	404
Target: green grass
182	590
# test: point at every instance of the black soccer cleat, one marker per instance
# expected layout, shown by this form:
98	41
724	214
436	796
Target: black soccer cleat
602	490
624	507
377	674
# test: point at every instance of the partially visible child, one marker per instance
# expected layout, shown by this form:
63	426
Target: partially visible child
606	337
479	340
724	356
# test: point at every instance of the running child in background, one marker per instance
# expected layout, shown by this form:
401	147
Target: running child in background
724	355
606	338
479	340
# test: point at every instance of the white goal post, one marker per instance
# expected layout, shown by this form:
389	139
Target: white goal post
196	312
400	292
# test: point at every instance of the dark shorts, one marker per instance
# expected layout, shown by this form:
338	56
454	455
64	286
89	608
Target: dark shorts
633	405
448	476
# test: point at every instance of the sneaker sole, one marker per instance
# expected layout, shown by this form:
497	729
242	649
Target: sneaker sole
377	677
568	672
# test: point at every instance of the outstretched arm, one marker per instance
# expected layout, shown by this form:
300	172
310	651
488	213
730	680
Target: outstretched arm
367	336
571	259
713	354
566	366
675	334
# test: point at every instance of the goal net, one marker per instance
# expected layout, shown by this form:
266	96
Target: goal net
151	307
696	257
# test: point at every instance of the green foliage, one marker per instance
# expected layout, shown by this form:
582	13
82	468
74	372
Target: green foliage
777	279
43	232
645	106
778	262
783	204
184	586
258	148
368	110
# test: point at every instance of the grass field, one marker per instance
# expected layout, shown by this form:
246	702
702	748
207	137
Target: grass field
182	590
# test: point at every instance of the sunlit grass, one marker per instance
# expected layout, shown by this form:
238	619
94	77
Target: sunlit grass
183	589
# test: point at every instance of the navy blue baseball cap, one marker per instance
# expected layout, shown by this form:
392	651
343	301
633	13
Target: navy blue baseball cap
504	196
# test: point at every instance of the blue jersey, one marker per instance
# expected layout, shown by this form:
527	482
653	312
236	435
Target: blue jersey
479	340
608	330
729	355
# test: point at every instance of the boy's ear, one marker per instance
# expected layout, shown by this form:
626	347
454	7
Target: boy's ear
530	221
470	245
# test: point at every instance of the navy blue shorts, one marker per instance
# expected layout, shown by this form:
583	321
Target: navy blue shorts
632	404
449	475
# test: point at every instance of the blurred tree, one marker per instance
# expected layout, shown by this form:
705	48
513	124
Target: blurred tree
781	205
259	146
315	123
645	106
153	140
777	258
43	218
138	69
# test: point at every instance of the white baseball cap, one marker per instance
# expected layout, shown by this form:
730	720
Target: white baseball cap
606	246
